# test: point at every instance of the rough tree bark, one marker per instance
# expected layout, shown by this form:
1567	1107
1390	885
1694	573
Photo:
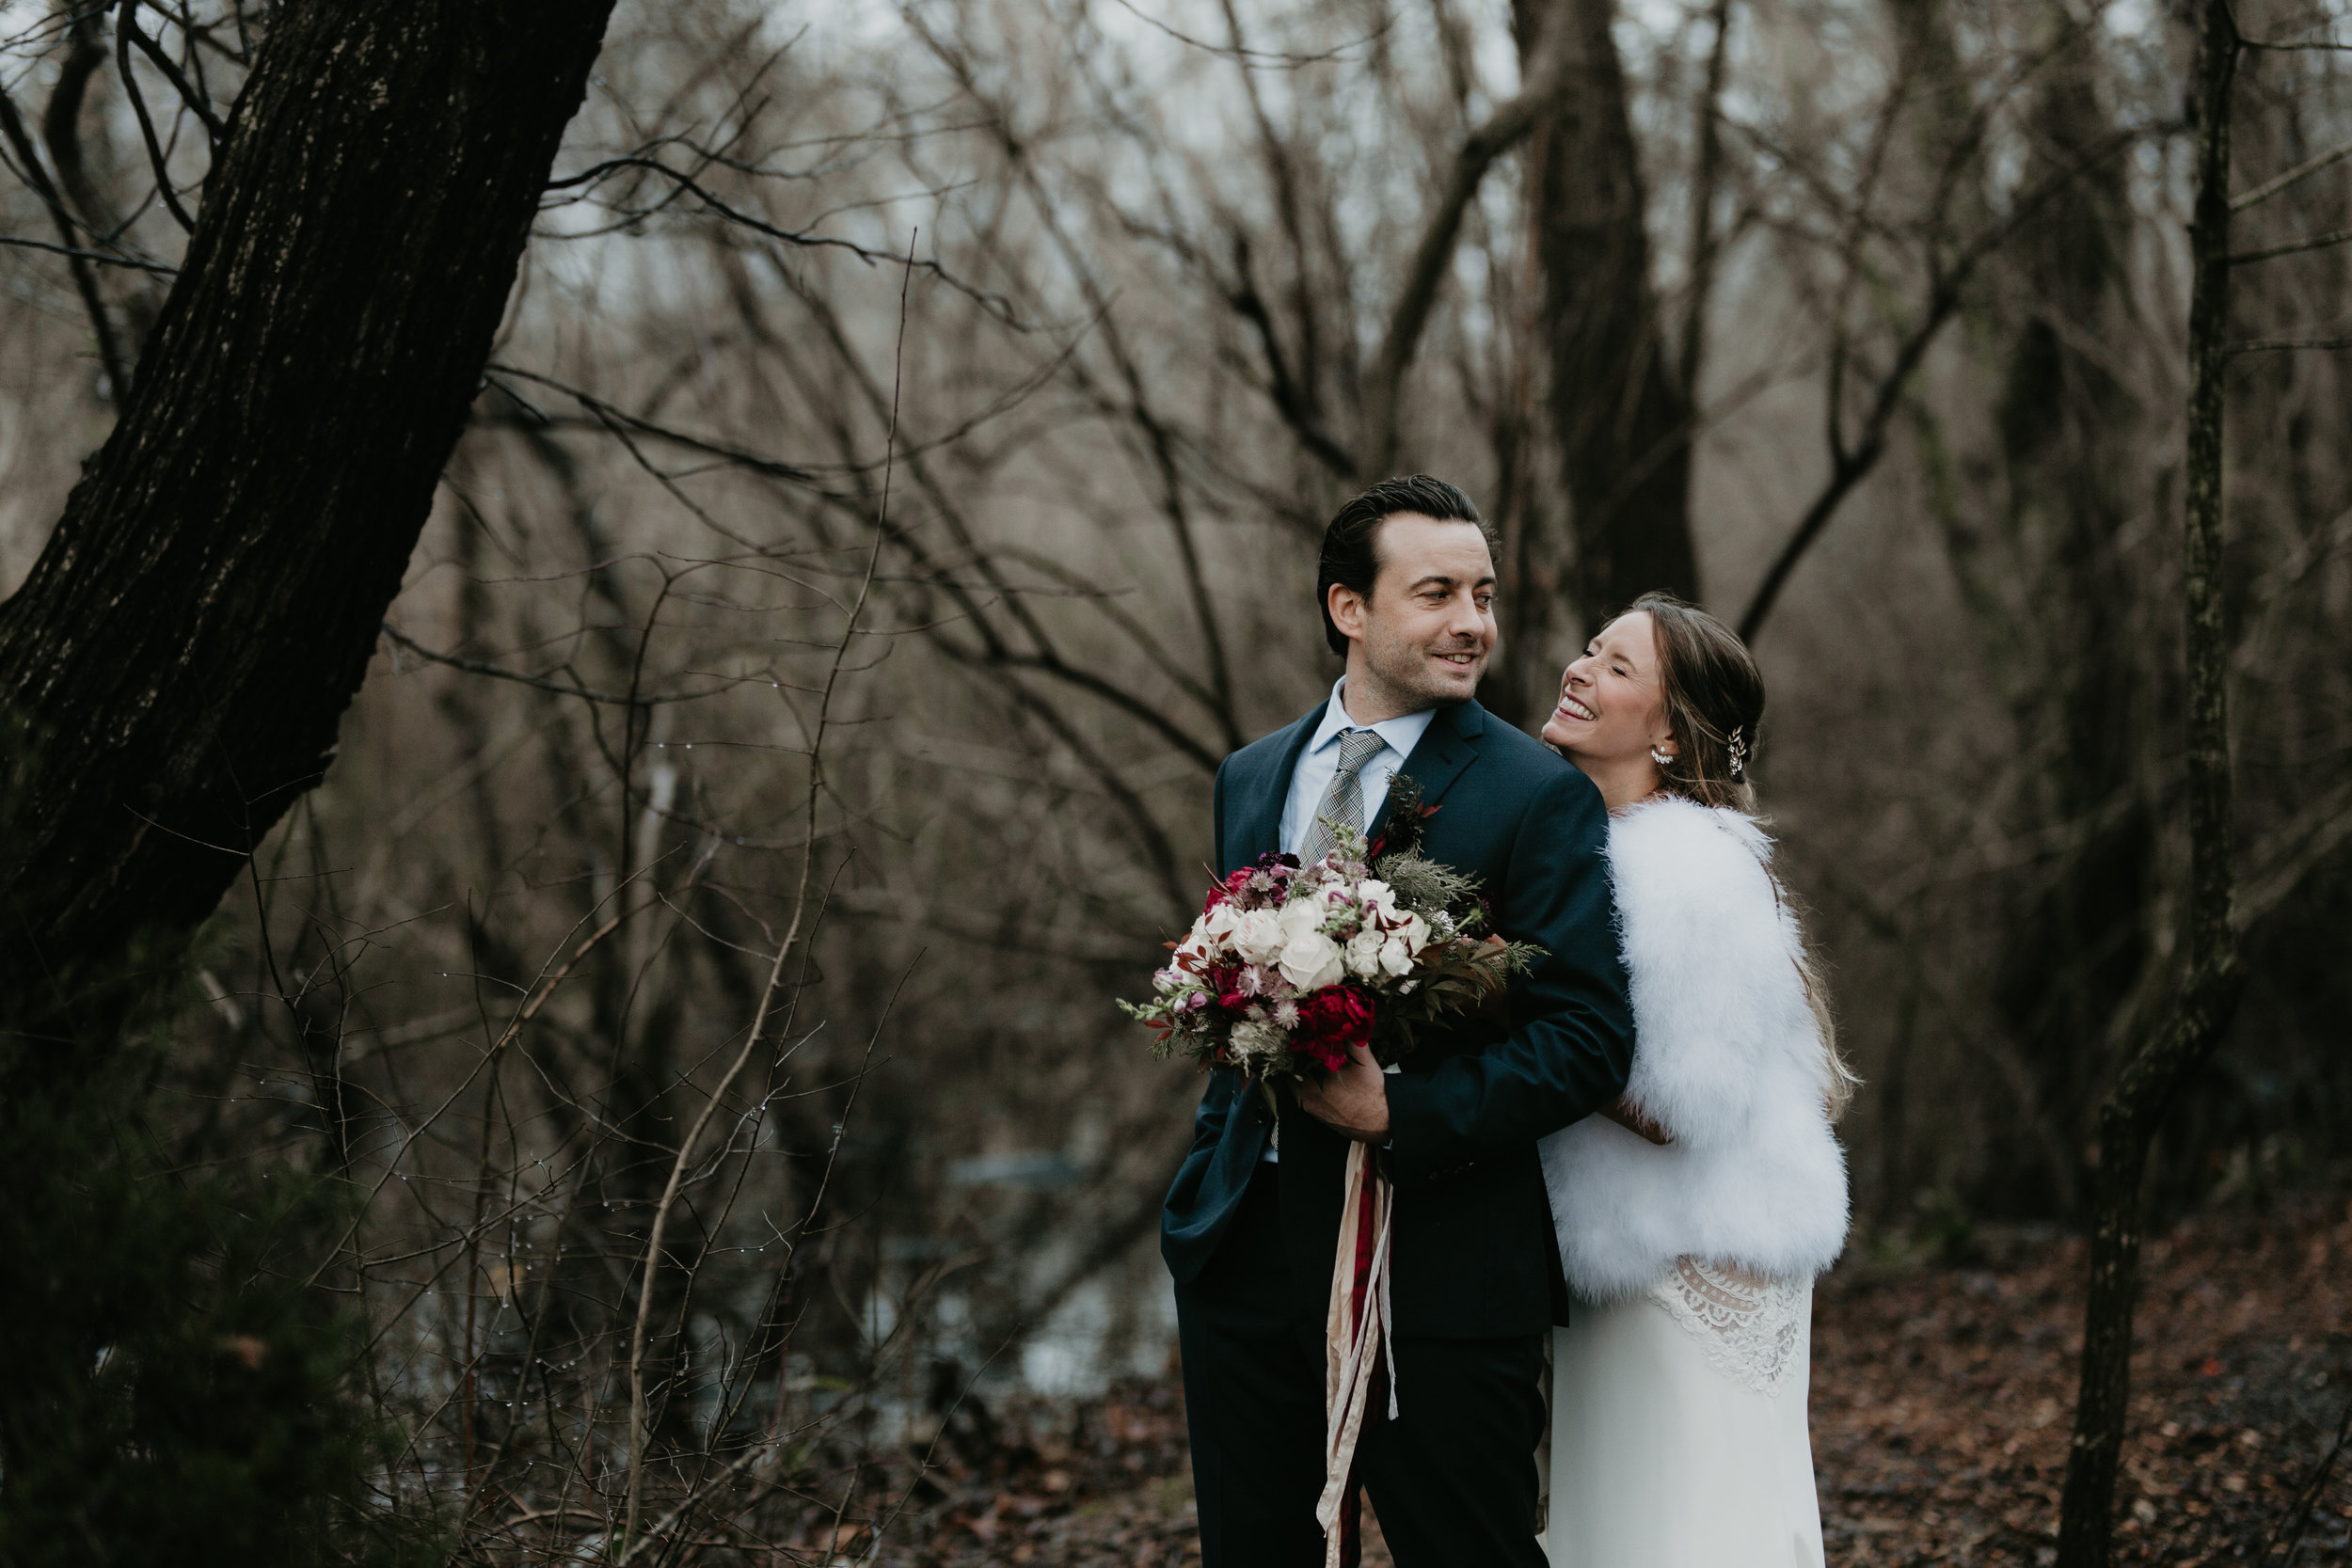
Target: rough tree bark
1621	418
2209	992
173	670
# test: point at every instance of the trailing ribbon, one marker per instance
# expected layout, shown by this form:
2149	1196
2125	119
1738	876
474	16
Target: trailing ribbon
1355	1346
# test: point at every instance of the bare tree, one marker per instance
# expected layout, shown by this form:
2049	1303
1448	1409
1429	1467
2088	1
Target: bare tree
1622	418
2214	974
179	660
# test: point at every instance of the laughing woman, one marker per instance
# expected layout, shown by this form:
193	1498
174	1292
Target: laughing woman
1693	1219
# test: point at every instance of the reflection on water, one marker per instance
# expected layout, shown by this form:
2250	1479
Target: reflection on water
1106	1329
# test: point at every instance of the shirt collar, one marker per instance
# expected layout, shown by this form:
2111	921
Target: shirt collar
1403	733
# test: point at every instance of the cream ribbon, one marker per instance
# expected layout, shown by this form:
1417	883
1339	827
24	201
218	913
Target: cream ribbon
1356	1336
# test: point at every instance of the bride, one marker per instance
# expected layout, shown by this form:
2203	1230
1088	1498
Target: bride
1693	1219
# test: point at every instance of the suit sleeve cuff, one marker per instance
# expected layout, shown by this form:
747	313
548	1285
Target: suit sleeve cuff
1420	1147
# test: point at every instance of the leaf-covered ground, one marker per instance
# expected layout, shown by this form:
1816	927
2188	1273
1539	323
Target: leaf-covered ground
1941	1397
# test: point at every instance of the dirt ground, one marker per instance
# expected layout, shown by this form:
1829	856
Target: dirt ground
1941	1396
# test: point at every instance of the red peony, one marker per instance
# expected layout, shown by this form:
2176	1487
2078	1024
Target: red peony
1331	1021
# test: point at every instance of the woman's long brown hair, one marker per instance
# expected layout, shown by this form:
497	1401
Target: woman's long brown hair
1715	699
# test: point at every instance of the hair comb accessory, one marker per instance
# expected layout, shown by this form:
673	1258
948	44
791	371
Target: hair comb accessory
1739	750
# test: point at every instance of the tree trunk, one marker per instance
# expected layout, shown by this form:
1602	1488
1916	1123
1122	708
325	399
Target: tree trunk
1622	420
174	670
2127	1122
2073	952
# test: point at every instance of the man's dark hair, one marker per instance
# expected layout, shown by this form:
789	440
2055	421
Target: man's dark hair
1351	545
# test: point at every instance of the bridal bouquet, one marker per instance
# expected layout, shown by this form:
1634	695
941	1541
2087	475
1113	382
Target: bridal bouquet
1289	965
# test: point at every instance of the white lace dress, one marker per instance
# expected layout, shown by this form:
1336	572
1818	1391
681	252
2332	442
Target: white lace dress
1679	1435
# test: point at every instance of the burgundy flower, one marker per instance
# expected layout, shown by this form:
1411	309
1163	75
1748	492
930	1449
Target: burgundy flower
1331	1021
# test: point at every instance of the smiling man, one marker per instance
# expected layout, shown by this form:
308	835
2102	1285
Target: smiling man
1407	587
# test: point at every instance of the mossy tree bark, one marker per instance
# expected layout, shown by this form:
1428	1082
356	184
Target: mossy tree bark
173	670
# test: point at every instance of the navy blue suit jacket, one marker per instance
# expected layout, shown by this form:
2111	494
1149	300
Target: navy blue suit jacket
1475	1254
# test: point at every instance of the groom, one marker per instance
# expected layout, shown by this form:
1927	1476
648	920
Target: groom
1250	1225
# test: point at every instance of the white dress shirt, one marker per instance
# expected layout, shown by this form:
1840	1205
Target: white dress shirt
1320	760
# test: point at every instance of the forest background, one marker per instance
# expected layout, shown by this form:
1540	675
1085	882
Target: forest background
682	1011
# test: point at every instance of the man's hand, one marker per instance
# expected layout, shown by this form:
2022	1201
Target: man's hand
1354	1100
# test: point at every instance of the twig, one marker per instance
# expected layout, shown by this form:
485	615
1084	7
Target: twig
2303	170
542	989
84	282
637	1434
1258	60
1850	466
2317	242
475	666
2298	1512
994	304
1433	256
2278	345
102	258
126	30
126	21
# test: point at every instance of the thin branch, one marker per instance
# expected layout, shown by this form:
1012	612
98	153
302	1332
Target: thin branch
1258	60
1434	256
1850	466
2277	346
637	1430
84	282
609	415
2317	242
2301	171
475	666
994	304
125	29
101	257
126	21
2296	1516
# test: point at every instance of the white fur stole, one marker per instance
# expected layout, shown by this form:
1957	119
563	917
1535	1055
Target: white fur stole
1726	1059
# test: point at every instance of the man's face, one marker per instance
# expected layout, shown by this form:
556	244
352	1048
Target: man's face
1423	637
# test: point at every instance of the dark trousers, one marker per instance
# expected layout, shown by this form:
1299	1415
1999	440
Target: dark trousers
1453	1477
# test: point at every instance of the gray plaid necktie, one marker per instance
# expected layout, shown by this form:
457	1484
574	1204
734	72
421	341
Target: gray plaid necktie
1345	800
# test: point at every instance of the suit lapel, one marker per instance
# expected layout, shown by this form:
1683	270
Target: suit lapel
1446	747
1263	798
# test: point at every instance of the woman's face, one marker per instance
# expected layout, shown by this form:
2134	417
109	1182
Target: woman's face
1612	707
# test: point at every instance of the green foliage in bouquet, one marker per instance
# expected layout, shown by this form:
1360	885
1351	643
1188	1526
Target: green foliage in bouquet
1289	966
1466	982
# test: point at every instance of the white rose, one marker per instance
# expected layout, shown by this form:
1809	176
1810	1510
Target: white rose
1364	952
1259	936
1395	956
1373	894
1311	961
1217	927
1415	934
1301	917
